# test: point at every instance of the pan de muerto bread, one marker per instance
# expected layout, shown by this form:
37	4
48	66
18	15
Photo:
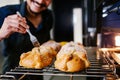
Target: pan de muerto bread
40	57
72	58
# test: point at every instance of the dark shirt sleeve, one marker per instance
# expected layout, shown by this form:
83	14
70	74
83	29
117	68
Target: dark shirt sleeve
4	12
2	16
7	10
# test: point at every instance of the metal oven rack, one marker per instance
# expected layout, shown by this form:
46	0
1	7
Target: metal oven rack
103	67
105	56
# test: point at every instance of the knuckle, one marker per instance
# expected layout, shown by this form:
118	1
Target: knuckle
6	18
18	25
16	16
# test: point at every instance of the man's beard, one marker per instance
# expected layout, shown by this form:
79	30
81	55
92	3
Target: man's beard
34	12
42	6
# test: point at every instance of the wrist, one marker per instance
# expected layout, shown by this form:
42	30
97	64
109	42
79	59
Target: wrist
1	35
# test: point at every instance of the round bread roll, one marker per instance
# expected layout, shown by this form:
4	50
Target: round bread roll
40	57
72	58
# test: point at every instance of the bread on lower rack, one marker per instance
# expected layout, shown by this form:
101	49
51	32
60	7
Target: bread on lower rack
72	58
39	57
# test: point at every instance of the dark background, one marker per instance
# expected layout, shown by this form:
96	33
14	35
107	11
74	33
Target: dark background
92	18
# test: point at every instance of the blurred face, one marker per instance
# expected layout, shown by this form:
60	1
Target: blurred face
36	6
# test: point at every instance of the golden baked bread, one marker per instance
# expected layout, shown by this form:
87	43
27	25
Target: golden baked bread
72	58
63	43
39	57
51	43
